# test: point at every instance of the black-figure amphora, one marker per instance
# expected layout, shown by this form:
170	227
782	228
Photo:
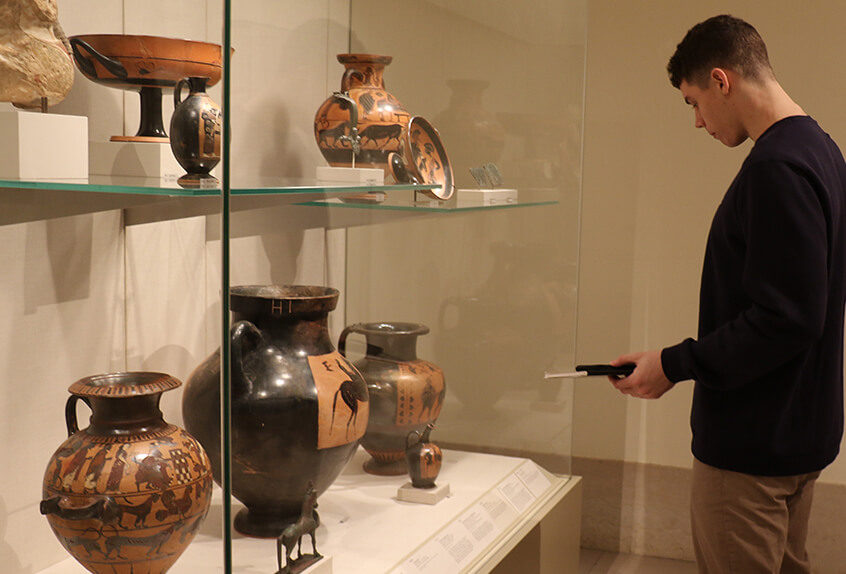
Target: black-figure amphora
298	406
127	493
405	392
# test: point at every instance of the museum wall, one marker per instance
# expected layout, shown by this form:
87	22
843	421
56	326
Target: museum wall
651	185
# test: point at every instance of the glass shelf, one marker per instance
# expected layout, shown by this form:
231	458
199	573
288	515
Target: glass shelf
170	187
407	202
281	185
111	184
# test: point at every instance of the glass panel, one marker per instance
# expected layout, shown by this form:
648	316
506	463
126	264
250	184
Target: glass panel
105	278
481	285
503	84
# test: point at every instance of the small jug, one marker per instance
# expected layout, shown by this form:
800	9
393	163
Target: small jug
424	459
195	128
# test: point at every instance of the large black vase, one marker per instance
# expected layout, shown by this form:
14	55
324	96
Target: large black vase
298	406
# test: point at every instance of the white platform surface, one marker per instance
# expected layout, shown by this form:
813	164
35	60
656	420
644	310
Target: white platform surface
494	502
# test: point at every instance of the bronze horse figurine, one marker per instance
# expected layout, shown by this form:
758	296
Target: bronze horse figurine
293	533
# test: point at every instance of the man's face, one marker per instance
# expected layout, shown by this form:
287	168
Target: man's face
713	112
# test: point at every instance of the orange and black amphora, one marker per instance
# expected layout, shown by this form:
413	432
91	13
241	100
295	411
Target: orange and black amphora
364	120
298	407
127	494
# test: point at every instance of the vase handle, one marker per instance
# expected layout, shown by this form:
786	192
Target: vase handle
70	413
245	337
408	436
177	92
102	509
342	340
114	67
349	74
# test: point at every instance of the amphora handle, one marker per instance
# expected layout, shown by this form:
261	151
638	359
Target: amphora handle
102	509
349	74
70	413
342	340
245	338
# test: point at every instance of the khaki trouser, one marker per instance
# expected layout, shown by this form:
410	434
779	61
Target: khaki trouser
745	524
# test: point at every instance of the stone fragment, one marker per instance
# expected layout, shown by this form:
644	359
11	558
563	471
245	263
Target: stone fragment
35	59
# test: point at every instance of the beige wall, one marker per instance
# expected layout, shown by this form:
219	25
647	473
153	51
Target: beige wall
651	184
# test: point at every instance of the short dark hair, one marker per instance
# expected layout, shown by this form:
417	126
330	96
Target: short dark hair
719	42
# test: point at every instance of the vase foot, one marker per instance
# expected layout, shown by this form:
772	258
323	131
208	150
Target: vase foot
198	181
392	468
262	525
142	139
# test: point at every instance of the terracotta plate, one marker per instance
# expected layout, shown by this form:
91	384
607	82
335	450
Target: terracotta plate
428	156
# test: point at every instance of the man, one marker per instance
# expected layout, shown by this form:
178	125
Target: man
767	410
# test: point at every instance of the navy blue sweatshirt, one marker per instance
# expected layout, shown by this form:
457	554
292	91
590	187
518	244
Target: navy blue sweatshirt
768	361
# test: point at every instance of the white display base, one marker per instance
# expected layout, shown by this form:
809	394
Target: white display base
135	159
496	502
363	175
474	197
43	146
322	566
408	493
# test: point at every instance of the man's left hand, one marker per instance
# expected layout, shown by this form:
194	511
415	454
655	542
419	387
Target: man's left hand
647	381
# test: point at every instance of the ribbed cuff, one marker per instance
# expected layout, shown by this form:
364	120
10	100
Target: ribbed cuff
674	361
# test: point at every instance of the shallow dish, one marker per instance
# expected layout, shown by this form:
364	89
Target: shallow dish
146	64
428	159
422	159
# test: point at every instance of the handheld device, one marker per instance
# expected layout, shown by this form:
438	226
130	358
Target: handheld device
593	371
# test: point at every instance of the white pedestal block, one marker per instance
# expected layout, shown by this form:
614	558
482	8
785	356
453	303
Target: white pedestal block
433	495
322	566
476	197
43	146
134	159
362	175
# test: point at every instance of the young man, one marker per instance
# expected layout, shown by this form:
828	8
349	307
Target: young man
767	410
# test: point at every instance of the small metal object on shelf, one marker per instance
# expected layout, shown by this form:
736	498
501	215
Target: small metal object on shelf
494	175
481	177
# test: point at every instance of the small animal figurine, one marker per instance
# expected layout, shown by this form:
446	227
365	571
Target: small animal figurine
424	458
293	534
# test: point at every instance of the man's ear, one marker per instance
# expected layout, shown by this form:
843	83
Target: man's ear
720	78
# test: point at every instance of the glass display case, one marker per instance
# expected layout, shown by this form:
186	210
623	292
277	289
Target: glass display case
361	299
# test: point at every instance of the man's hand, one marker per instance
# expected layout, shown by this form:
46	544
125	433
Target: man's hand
647	381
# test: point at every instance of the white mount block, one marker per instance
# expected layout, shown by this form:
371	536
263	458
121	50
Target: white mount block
363	175
433	495
137	159
475	197
43	146
322	566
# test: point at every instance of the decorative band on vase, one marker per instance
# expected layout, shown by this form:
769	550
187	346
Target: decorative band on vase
124	384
